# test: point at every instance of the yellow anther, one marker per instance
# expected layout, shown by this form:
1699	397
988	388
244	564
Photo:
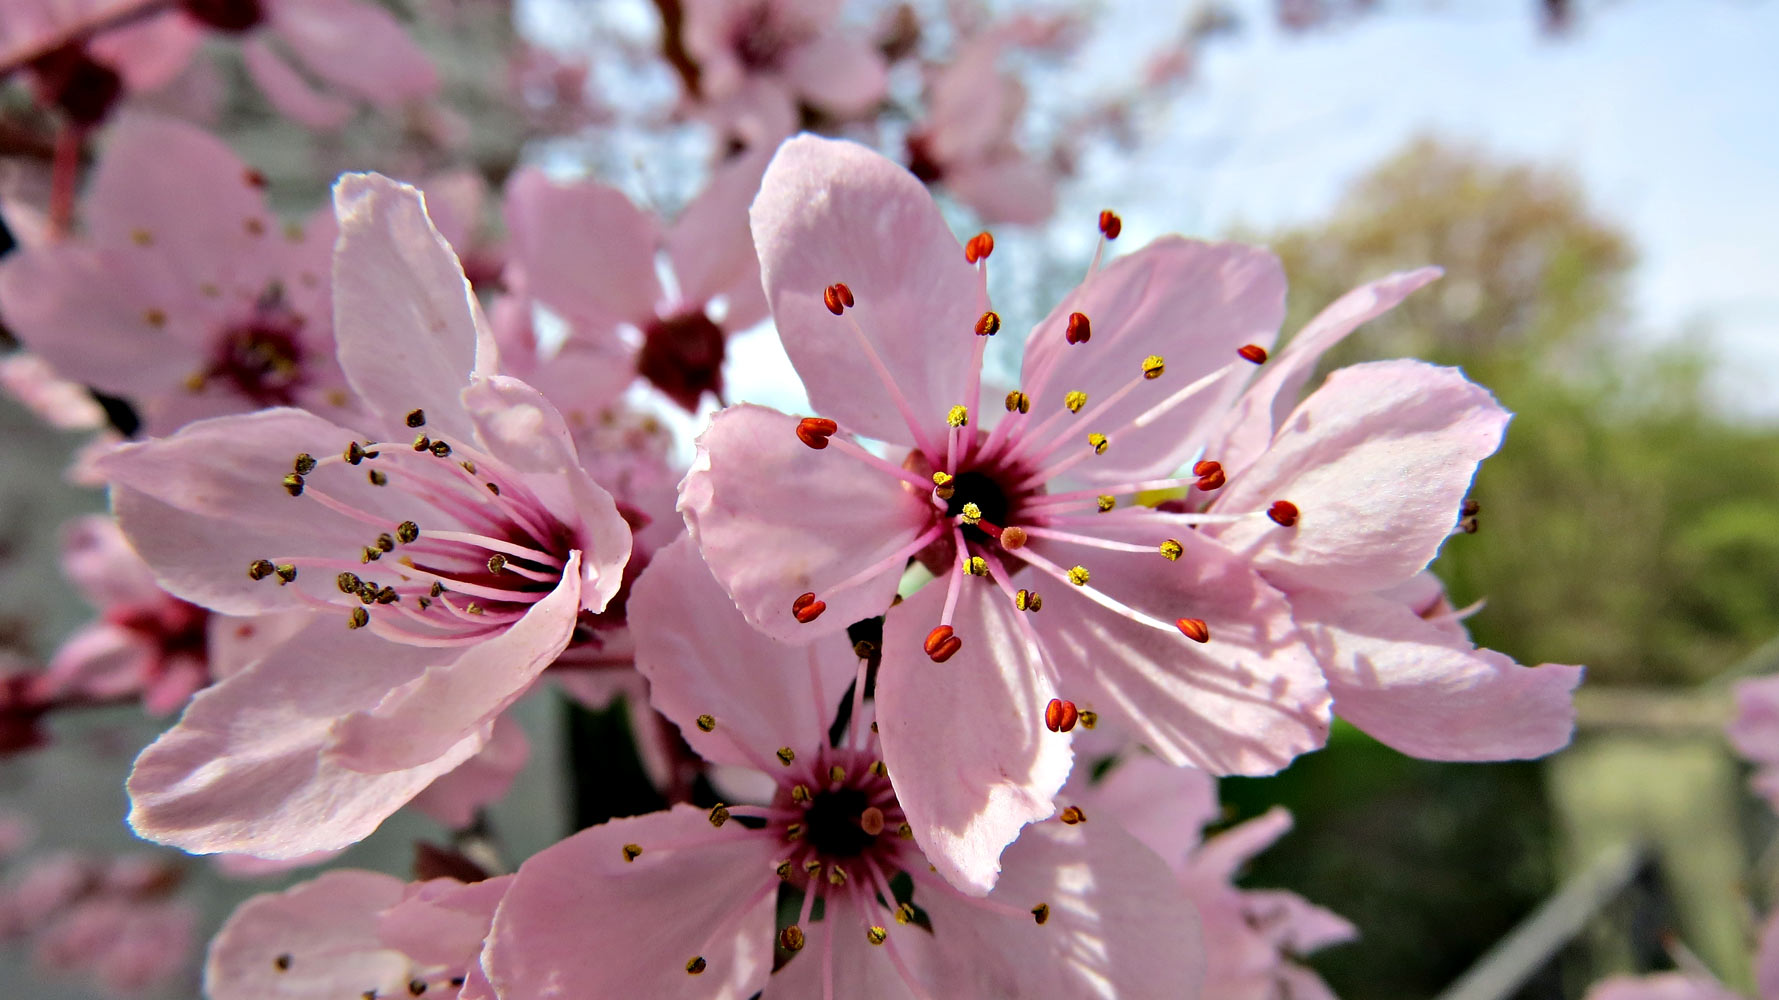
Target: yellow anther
812	866
1106	502
879	768
905	831
1028	600
141	237
1172	549
976	566
376	477
1079	576
904	913
1088	719
875	935
793	831
958	417
1018	402
836	875
943	485
942	478
632	852
971	513
707	723
719	814
786	870
359	618
791	938
786	755
696	965
154	317
1075	400
800	793
1153	366
1098	443
1073	815
836	774
1041	913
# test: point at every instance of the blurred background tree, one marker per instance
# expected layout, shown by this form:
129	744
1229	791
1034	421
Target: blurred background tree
1626	524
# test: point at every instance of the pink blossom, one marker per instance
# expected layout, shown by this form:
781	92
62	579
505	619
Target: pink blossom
797	46
56	401
1169	621
113	919
967	142
186	296
589	255
1252	937
147	643
497	544
688	895
1755	732
353	933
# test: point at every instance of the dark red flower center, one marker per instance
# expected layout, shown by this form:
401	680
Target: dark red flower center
233	16
683	357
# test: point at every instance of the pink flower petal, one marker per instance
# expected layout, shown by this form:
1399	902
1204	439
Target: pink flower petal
87	313
148	53
839	71
317	939
1192	304
1428	694
1755	730
424	718
99	561
201	505
289	92
1118	924
1664	986
1246	702
762	694
480	781
841	961
1010	188
714	900
776	520
184	190
1377	462
358	47
245	769
711	248
964	740
588	253
442	923
409	330
99	661
1163	806
1248	426
834	211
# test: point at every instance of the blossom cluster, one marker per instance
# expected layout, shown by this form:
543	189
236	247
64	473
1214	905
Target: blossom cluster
937	677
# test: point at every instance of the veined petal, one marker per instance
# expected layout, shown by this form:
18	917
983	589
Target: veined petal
356	46
834	211
1117	923
409	330
244	770
965	740
1246	702
453	700
776	519
1430	694
1377	462
1163	806
1190	303
759	694
657	910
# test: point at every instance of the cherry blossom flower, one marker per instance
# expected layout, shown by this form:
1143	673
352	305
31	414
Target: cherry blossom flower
1251	936
354	933
186	296
967	141
1165	621
1755	732
450	543
796	47
690	893
589	255
116	920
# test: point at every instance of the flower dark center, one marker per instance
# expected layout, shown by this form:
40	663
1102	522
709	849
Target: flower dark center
82	87
262	360
683	357
226	15
834	826
990	497
760	40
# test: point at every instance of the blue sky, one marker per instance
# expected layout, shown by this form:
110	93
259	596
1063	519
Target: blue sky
1667	111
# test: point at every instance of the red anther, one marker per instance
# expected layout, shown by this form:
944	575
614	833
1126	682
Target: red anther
1212	479
1252	352
988	325
980	246
815	431
807	609
1012	537
1194	629
940	643
1283	511
837	297
1110	224
1080	330
1060	716
844	292
254	178
1205	468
